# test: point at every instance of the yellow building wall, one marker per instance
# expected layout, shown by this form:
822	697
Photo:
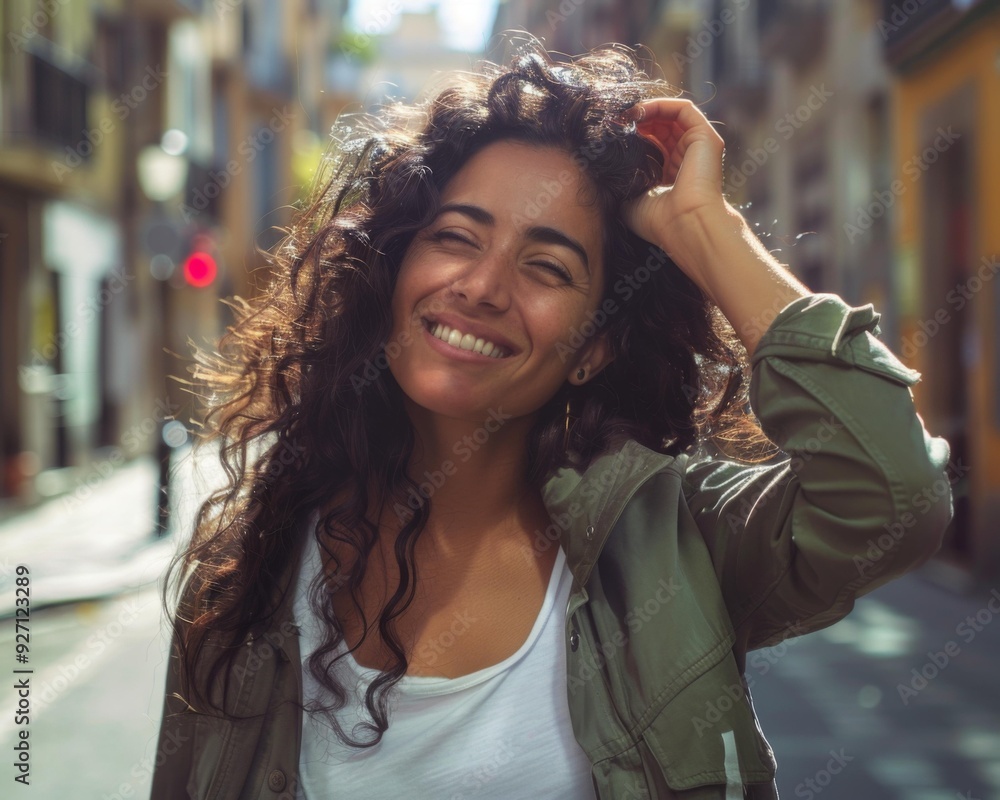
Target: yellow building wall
973	55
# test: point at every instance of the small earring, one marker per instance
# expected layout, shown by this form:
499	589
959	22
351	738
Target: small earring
581	373
566	428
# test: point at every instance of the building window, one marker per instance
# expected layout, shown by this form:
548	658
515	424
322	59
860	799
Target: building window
58	105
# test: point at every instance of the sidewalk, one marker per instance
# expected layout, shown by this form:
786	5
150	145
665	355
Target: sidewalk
100	540
94	542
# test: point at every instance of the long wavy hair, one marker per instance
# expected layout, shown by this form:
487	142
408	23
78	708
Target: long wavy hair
303	408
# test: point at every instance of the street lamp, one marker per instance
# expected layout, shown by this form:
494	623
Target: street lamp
162	171
163	167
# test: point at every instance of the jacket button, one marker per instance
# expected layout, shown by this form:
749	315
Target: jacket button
276	780
590	531
574	641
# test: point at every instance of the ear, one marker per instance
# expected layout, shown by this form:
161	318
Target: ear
593	356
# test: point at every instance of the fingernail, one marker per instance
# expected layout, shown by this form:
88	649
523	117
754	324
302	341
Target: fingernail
635	113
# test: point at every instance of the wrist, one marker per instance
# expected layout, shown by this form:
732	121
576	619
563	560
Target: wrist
700	239
700	224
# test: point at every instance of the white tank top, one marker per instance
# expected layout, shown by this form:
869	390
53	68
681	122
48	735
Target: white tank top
500	733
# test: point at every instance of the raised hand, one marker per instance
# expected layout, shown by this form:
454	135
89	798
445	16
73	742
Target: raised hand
691	184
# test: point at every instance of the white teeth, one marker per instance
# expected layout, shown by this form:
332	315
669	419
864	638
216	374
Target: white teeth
466	341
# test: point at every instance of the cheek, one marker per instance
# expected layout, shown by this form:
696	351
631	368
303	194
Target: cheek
399	297
558	337
403	298
557	321
559	328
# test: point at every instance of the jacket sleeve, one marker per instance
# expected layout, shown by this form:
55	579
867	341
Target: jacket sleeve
861	496
175	747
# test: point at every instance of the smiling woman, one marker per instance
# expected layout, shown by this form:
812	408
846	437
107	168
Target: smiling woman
519	314
511	286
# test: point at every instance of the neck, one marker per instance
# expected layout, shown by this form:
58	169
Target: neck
474	472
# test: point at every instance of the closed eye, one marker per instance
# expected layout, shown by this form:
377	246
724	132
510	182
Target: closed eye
440	235
560	271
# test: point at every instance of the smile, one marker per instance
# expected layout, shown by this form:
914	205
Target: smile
464	341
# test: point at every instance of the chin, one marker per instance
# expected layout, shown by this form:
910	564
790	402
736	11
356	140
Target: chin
439	398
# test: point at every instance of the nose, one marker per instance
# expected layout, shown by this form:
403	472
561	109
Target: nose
485	281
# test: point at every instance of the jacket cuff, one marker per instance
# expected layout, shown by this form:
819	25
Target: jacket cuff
822	327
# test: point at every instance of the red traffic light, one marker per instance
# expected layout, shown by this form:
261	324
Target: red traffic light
199	269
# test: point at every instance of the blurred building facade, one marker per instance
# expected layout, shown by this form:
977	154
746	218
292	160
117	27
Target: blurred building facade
945	59
71	311
401	64
571	26
133	133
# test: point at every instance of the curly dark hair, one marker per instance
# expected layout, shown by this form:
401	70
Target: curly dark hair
302	368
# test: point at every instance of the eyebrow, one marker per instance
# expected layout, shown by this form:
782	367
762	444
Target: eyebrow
538	233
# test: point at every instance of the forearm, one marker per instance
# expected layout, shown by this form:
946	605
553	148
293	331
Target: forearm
725	258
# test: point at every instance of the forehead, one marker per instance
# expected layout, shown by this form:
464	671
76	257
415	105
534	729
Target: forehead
532	179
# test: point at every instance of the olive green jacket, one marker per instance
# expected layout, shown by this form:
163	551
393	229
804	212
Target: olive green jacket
681	565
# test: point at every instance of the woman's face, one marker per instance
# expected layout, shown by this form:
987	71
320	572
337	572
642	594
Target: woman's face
512	258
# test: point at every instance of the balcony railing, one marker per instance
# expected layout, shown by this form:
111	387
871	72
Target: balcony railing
57	103
793	31
898	24
168	10
907	29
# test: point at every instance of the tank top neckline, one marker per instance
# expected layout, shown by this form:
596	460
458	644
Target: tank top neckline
425	685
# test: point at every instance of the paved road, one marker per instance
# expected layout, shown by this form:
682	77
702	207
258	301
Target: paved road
95	699
899	701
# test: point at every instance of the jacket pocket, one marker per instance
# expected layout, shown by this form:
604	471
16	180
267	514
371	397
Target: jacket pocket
208	775
707	734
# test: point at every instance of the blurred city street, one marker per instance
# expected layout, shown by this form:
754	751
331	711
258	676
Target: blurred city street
98	639
99	636
155	153
98	685
896	702
857	690
87	547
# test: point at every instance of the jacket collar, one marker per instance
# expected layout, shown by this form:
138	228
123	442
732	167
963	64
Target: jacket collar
584	506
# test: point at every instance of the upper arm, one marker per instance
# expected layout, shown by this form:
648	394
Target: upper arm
862	496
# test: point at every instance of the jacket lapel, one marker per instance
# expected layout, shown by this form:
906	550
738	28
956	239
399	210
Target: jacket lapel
585	507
